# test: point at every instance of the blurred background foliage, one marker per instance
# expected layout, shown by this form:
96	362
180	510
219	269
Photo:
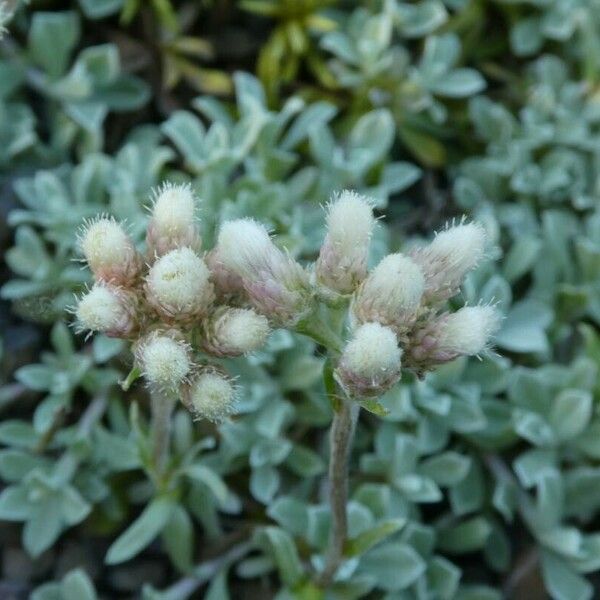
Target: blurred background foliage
483	481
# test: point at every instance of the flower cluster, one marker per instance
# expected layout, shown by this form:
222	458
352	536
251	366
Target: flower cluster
183	309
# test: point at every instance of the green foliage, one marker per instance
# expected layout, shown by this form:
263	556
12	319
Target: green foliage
481	469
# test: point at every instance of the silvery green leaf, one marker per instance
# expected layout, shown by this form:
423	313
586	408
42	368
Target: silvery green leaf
447	468
187	132
264	483
368	539
52	37
458	83
395	566
419	489
178	538
468	536
524	329
98	9
571	412
290	513
283	551
371	137
314	116
443	577
15	503
562	581
418	20
44	525
468	495
218	589
141	532
534	428
532	465
18	434
304	462
76	585
526	36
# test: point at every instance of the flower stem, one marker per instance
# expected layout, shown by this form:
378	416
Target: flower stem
162	406
341	435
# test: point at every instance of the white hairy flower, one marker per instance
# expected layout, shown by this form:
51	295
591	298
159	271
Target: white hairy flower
468	330
235	331
178	285
449	257
370	362
342	262
211	395
172	224
105	309
109	252
164	361
276	285
391	294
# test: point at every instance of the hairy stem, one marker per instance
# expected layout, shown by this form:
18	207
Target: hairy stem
341	434
162	406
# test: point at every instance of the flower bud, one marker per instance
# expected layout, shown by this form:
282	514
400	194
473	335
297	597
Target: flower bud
235	331
342	262
172	224
109	252
277	286
164	361
370	362
465	332
391	294
178	286
108	310
449	257
210	395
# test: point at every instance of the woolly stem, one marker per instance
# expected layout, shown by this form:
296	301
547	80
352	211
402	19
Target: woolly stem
161	406
341	435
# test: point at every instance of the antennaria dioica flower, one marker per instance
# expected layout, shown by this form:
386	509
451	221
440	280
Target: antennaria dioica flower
186	309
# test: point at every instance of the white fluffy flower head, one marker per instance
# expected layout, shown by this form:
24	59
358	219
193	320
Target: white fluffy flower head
342	262
211	396
350	222
391	294
174	207
108	250
450	256
236	331
102	309
276	285
178	284
372	351
468	330
164	361
173	220
245	247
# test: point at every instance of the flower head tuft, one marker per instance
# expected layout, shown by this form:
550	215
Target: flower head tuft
235	331
391	294
210	395
449	257
370	362
342	262
106	309
178	285
109	252
172	224
276	285
467	332
165	362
